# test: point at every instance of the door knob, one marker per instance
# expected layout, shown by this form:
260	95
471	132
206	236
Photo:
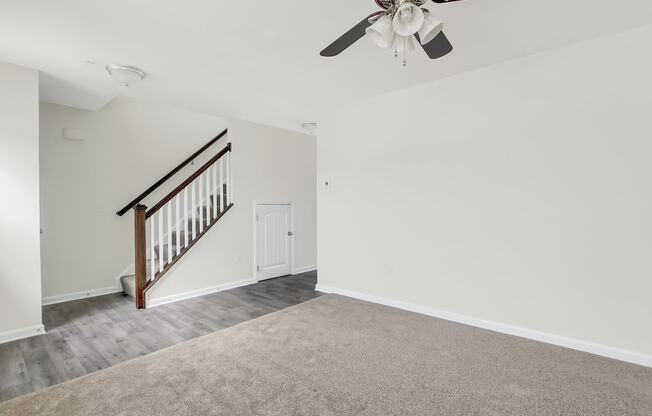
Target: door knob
290	233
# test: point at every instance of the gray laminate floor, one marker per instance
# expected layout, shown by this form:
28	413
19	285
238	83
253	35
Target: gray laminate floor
88	335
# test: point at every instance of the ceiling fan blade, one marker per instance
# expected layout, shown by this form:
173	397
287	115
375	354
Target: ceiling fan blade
437	47
349	38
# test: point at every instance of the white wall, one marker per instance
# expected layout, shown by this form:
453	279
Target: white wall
268	164
20	275
129	145
517	194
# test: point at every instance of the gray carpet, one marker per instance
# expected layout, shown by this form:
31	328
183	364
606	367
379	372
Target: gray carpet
340	356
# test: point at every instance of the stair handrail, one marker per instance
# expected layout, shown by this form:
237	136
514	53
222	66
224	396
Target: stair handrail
142	214
170	174
188	181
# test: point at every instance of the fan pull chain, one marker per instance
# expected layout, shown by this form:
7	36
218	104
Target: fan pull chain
405	51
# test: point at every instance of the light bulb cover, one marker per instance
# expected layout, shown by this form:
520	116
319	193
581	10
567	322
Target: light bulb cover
408	19
402	44
430	29
381	33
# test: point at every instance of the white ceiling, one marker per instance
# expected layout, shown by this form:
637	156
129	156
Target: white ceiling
259	60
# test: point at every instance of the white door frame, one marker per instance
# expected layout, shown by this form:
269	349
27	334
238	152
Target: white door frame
255	242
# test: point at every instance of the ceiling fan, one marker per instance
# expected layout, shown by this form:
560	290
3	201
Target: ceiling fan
396	27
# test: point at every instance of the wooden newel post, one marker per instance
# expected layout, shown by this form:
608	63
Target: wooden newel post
141	260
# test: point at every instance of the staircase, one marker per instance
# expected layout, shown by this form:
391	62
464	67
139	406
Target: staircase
168	230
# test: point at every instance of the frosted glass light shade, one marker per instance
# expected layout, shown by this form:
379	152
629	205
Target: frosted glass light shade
430	29
381	32
403	44
408	19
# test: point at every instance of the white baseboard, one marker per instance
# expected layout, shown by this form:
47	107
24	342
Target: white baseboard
21	333
199	292
572	343
304	269
51	300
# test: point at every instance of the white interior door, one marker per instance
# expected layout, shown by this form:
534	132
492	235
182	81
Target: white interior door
273	241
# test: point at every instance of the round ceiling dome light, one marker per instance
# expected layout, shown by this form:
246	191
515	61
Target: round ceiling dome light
125	74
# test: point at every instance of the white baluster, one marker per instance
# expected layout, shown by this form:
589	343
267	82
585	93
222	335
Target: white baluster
229	189
169	232
221	162
201	212
194	211
152	240
207	204
177	225
160	240
214	168
186	234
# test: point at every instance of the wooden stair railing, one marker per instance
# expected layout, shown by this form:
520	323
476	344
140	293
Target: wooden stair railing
179	220
170	174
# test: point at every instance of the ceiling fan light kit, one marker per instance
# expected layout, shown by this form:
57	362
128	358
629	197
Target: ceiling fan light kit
407	19
396	27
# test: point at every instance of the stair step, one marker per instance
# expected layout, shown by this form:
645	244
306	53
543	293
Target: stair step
206	223
205	211
219	202
182	235
207	218
190	225
174	236
129	281
165	253
182	239
129	285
